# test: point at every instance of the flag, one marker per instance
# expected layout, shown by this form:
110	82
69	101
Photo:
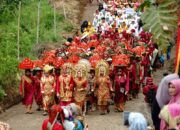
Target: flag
178	48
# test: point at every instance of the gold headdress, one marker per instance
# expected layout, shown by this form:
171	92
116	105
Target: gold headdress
82	68
86	63
68	67
47	68
102	66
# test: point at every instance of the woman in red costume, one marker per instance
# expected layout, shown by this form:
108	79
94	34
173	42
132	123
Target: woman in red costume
48	88
136	76
80	81
146	63
37	92
27	90
121	90
131	72
104	86
65	85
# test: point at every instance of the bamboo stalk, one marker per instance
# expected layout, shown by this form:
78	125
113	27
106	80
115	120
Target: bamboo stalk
55	30
64	10
38	21
18	32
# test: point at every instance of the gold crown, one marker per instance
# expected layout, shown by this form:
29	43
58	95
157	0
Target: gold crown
82	68
102	65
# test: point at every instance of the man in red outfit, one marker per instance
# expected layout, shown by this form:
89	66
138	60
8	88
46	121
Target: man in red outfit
55	120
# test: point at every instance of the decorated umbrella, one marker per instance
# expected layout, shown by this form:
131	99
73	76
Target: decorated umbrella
139	50
100	50
120	59
73	59
26	64
51	53
38	63
58	62
48	60
83	46
73	49
93	43
94	59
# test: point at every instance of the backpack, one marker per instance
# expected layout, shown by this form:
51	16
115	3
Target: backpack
151	95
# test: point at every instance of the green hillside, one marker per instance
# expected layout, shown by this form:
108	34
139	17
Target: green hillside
9	12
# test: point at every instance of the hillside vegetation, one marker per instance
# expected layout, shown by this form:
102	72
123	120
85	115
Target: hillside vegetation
9	12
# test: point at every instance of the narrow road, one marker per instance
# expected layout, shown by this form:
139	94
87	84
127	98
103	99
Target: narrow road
89	11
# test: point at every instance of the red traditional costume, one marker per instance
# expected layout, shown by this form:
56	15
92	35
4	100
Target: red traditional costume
37	82
132	74
80	91
37	93
149	87
27	84
80	81
55	120
136	82
27	89
65	86
104	86
146	64
121	89
48	88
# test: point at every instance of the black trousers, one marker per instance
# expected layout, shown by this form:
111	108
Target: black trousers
155	114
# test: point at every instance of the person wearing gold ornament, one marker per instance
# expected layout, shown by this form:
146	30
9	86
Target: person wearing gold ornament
80	89
47	88
89	30
104	86
65	85
123	27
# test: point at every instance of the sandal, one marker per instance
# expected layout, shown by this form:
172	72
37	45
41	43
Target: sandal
45	114
26	112
102	113
38	109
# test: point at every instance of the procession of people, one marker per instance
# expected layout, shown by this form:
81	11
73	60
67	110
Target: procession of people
109	61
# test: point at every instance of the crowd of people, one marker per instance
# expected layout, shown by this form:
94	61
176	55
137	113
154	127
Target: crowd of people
106	62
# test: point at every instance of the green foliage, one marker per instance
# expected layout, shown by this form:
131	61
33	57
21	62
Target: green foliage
68	27
146	3
2	93
161	21
28	29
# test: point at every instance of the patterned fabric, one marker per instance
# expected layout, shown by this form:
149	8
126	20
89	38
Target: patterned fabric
4	126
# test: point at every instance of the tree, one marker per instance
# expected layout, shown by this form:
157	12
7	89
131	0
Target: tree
161	19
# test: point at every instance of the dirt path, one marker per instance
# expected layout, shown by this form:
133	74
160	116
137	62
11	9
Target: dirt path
114	121
89	11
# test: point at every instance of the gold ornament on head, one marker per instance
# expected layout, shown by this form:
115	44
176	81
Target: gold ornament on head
47	68
102	66
82	69
68	67
86	63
